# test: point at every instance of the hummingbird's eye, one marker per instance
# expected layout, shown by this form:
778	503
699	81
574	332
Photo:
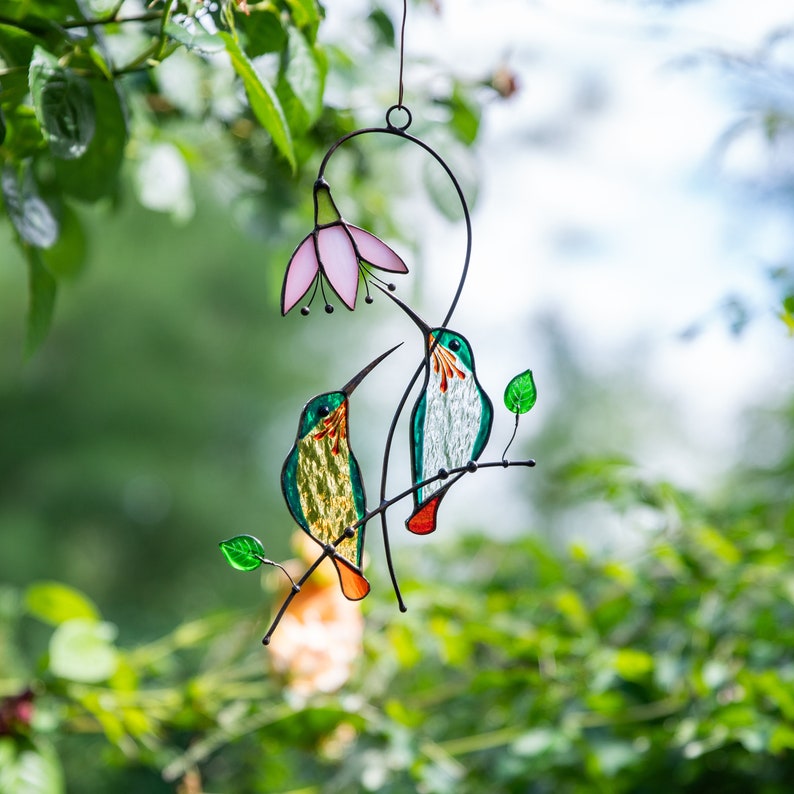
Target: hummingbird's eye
323	410
454	345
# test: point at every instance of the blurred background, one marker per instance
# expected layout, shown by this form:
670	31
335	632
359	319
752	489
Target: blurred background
629	169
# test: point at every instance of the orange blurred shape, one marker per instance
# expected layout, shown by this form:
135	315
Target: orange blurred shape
319	639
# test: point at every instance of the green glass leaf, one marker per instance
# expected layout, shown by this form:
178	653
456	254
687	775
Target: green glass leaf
263	99
29	213
326	211
42	289
82	650
95	175
243	552
521	394
55	603
64	105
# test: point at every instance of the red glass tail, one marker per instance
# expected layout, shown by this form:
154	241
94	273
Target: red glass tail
354	584
423	519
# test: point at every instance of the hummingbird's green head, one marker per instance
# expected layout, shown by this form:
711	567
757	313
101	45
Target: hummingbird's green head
318	409
322	406
456	344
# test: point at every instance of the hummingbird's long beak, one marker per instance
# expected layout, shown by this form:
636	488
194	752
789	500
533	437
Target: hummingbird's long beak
423	326
348	388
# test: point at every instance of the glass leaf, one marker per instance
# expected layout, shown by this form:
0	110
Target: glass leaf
243	552
521	393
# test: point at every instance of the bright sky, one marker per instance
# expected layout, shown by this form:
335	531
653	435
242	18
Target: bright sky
619	225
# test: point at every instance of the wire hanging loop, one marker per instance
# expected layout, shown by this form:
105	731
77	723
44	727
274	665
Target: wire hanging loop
392	128
400	108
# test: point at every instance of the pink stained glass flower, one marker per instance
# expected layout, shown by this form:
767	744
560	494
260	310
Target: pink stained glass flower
336	251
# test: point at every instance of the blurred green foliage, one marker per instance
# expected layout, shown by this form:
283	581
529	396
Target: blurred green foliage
144	429
515	669
93	89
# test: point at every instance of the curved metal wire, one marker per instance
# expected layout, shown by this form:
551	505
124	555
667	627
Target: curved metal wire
400	131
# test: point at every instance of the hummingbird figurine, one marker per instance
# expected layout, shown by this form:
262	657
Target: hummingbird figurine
450	422
321	481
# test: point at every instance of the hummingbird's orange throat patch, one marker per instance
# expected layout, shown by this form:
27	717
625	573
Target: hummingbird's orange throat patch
334	426
444	361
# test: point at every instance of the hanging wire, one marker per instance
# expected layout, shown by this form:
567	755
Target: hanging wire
402	54
400	131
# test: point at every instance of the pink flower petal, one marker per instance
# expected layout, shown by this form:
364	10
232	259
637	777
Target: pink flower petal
301	272
375	252
339	263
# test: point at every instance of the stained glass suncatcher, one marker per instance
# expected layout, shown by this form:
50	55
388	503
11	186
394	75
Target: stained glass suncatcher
448	427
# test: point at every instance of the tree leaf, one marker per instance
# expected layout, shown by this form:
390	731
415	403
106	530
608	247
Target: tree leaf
633	664
521	394
30	214
95	174
201	40
82	650
24	137
162	181
243	552
305	13
462	163
32	767
263	99
42	289
464	116
383	26
16	45
303	73
38	11
64	105
55	603
787	314
263	32
66	258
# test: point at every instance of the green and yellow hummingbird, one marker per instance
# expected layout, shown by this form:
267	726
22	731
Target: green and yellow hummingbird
450	422
321	481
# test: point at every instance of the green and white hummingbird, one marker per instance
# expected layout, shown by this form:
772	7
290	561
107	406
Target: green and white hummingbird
450	422
321	481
